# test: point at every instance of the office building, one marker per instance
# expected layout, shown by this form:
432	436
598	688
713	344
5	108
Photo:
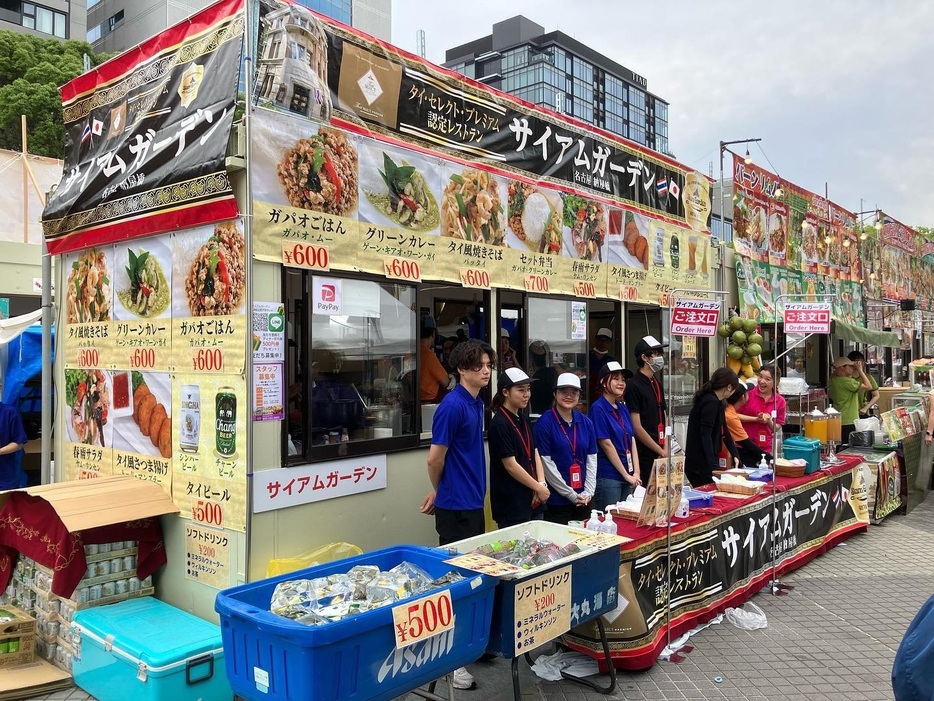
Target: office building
58	19
117	25
556	71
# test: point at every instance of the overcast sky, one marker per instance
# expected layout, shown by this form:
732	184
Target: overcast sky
840	91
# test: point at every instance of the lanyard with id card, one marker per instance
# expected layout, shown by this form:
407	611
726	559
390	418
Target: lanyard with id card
575	473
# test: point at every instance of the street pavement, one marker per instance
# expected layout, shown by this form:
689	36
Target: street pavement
832	638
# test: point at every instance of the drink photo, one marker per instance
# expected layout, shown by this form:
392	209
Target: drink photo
692	253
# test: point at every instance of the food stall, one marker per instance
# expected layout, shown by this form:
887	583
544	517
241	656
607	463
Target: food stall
244	294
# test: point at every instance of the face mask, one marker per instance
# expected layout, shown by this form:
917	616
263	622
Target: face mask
658	363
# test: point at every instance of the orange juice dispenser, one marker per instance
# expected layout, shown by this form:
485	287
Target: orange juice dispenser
815	425
834	426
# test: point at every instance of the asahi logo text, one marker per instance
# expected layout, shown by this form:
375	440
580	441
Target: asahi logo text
403	661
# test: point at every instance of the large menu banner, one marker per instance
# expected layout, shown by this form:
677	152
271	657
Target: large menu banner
155	350
474	188
789	241
146	136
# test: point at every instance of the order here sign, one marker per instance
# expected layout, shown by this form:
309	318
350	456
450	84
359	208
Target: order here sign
695	317
807	317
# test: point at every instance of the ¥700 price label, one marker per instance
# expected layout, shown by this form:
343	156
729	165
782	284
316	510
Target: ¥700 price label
423	618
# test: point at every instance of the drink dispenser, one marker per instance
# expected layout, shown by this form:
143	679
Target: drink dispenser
834	426
815	425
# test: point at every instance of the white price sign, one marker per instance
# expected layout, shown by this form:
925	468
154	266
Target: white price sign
424	618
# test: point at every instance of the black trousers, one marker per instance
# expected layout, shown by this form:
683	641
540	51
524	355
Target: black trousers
458	525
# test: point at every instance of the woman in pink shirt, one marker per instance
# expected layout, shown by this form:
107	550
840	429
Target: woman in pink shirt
757	411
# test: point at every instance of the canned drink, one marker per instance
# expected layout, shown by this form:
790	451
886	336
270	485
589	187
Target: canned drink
116	565
92	549
108	589
225	422
129	563
103	568
94	592
134	584
104	548
121	586
190	431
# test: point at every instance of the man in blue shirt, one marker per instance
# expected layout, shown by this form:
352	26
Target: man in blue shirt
456	459
12	439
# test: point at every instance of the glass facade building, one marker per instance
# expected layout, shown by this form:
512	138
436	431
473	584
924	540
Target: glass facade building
556	71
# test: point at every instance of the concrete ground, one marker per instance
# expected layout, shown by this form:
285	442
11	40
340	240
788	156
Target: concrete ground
833	638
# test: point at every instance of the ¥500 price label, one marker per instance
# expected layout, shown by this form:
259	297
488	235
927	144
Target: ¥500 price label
422	619
209	513
582	288
303	255
475	277
402	269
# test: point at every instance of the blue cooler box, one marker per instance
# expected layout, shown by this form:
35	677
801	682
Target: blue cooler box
146	650
796	447
276	659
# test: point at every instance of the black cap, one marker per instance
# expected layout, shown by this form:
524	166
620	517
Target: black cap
647	344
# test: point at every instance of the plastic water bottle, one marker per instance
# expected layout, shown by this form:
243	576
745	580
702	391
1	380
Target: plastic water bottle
594	523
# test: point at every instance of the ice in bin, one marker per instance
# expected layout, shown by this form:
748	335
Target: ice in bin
357	658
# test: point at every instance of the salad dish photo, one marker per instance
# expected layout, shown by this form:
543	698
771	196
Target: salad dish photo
471	208
89	293
216	281
87	393
320	173
403	196
585	223
534	218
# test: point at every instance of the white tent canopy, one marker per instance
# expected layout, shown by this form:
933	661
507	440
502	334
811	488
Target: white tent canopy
11	328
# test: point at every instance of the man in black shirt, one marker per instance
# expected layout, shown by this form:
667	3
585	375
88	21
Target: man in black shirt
645	397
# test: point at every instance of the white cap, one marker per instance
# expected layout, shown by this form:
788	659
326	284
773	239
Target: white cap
568	379
605	332
503	333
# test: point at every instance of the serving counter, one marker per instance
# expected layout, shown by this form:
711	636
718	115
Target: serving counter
720	556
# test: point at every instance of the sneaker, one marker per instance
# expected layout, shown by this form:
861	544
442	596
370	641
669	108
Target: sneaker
464	680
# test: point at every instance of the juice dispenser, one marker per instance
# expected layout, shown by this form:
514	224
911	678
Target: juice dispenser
815	425
834	426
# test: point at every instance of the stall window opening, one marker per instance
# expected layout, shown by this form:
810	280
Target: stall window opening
351	367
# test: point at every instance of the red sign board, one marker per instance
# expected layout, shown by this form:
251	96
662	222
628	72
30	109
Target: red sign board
807	317
695	317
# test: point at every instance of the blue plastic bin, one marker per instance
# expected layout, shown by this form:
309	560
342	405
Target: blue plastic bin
698	499
276	659
146	650
796	447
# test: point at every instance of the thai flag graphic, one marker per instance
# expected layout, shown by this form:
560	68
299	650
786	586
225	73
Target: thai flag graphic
836	496
674	190
662	186
319	97
86	134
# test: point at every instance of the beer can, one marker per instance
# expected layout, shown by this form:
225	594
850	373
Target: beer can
94	592
104	548
122	586
81	595
129	563
103	568
225	422
190	431
134	584
116	565
91	549
108	589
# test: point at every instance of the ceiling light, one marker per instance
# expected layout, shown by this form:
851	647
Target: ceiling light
779	193
862	236
846	243
878	225
748	159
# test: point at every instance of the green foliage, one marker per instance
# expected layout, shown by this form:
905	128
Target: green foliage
31	71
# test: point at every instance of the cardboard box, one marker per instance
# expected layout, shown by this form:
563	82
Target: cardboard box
17	637
36	678
14	621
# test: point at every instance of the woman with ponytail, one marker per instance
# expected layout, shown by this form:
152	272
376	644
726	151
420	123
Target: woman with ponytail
707	428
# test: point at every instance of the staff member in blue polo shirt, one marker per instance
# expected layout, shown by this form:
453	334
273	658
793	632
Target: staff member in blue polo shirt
618	460
567	443
456	459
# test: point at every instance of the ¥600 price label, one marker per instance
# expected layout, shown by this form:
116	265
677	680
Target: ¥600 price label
402	269
207	360
422	619
307	256
475	277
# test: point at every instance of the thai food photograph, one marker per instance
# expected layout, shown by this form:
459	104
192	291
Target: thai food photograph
216	280
401	193
777	234
88	393
809	243
471	208
147	429
143	290
628	240
585	225
320	173
88	297
534	218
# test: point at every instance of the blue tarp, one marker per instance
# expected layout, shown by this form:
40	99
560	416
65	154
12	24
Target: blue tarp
24	360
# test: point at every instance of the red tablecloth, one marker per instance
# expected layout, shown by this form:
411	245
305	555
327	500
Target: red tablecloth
29	525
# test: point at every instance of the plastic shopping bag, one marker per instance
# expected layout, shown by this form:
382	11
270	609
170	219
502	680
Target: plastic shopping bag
749	617
316	556
549	667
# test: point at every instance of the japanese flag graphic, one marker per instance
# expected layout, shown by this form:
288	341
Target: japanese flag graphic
674	189
97	127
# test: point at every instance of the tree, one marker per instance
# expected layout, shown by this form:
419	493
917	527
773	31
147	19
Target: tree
31	71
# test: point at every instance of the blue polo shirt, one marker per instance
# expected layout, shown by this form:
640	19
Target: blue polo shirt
458	425
555	439
11	431
614	423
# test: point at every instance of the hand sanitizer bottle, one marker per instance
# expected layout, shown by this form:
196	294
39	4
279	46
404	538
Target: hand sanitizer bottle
609	525
594	523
